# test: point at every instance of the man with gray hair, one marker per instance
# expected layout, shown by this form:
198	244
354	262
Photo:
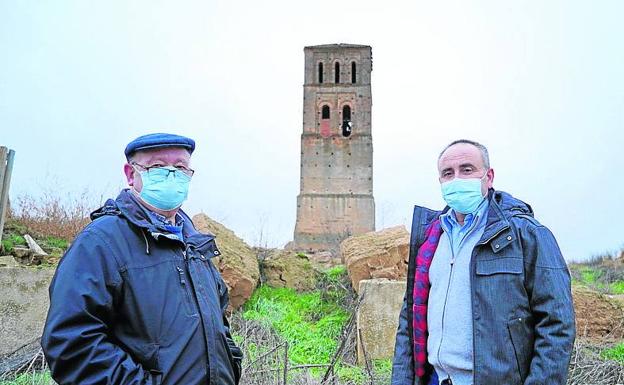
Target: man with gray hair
488	297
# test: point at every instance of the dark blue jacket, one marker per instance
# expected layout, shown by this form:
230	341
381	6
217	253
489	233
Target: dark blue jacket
128	305
523	316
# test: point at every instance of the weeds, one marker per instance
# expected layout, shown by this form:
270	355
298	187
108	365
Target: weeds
591	365
312	336
615	353
33	378
310	325
12	240
604	274
53	216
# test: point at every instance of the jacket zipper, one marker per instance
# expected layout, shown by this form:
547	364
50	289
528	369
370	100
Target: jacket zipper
195	301
181	275
448	287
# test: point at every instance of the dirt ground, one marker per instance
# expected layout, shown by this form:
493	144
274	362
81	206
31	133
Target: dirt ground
598	317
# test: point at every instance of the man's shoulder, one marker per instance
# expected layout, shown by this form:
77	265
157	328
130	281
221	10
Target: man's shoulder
514	209
106	228
525	221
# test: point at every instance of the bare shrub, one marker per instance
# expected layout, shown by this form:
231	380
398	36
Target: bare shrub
26	365
587	367
54	214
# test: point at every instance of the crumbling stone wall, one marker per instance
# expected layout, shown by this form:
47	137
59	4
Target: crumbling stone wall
24	305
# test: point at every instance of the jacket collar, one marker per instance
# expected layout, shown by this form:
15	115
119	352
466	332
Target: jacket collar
502	206
127	206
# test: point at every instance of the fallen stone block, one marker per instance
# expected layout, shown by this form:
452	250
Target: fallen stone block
381	254
378	318
237	263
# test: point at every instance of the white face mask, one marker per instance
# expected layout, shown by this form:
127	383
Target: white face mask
164	188
463	195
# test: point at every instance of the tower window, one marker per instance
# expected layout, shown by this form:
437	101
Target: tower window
337	73
346	112
353	72
325	112
347	125
320	73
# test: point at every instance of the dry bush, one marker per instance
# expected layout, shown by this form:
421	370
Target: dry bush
26	365
54	214
588	368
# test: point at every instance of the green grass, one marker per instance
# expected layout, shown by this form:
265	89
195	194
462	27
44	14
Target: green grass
36	378
336	273
617	287
596	278
11	240
56	242
358	375
589	276
615	353
310	323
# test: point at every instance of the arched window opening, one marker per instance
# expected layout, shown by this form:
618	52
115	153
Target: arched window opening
320	73
346	112
337	73
325	128
325	112
347	125
353	72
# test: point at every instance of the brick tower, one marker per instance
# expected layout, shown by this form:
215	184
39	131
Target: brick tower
336	194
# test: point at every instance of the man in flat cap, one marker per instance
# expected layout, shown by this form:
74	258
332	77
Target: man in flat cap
136	298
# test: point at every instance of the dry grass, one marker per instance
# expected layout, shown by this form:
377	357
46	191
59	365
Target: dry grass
588	368
266	354
54	214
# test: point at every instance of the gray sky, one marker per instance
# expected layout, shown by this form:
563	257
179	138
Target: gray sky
540	83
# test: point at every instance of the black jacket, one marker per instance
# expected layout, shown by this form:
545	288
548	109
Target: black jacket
128	305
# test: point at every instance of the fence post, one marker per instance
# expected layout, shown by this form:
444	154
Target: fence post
286	363
6	167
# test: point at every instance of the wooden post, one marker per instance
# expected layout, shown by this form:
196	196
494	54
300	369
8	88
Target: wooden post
6	168
285	363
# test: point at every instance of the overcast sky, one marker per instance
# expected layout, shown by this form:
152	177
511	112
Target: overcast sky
541	83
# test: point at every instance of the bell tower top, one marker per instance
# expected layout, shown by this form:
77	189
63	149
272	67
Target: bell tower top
335	64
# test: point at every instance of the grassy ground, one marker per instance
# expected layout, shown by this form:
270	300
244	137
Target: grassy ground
615	353
314	325
604	274
13	236
36	378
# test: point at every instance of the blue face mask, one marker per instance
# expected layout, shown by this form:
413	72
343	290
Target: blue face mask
463	195
164	188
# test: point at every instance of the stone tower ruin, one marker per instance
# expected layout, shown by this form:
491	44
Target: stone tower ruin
336	193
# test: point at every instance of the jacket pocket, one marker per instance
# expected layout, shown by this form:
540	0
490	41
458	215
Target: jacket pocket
187	296
522	339
500	266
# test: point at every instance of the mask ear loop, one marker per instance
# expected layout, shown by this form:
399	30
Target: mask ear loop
132	189
485	176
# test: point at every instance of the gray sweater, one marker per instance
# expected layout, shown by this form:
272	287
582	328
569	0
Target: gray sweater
449	313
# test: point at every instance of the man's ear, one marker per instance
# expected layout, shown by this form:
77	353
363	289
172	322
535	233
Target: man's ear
130	174
490	178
